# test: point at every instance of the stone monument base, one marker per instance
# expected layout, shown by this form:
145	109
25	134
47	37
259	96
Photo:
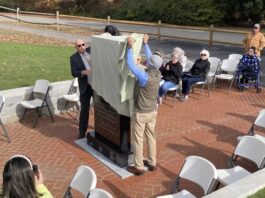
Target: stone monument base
105	147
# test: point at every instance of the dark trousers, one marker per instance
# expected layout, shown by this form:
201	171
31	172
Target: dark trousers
84	113
187	81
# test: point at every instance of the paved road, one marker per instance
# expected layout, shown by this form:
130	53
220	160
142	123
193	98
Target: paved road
183	33
192	49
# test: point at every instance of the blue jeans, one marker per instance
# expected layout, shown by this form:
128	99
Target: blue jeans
165	86
187	81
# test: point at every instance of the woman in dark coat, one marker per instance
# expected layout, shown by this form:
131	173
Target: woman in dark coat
196	74
171	74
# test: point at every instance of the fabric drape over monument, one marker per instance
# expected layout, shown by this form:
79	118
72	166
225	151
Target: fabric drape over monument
111	78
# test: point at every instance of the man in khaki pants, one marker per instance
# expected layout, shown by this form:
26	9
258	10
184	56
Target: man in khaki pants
254	39
144	119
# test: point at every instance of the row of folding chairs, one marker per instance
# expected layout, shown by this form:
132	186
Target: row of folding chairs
221	70
203	172
38	101
85	181
224	70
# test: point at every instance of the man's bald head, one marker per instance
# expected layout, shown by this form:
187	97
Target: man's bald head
80	46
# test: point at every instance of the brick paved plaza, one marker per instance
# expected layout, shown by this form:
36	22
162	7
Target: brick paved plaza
207	127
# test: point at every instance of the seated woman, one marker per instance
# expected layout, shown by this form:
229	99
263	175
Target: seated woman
248	65
23	179
183	58
197	73
171	74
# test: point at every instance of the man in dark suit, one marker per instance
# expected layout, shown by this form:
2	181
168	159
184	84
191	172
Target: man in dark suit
81	68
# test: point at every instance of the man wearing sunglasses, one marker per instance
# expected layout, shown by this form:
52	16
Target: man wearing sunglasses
81	68
254	39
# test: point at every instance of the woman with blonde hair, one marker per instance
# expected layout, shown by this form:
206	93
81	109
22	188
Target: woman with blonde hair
197	73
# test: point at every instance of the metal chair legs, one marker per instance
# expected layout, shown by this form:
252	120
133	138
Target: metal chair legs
5	131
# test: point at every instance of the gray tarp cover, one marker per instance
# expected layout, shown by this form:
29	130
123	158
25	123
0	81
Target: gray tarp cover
111	78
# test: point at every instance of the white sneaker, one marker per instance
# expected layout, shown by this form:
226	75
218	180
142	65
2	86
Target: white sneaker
159	100
184	98
156	108
177	95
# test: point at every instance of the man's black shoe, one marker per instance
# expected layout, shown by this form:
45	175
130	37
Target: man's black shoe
149	166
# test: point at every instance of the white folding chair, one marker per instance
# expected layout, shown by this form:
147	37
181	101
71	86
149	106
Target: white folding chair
181	194
188	66
249	147
2	103
39	100
262	138
99	193
203	83
72	97
215	63
176	89
198	170
177	93
84	181
213	67
228	71
236	57
260	122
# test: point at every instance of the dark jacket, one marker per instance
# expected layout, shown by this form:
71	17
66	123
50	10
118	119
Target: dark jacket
200	68
77	65
173	74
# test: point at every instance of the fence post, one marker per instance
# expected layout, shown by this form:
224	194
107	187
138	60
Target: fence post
211	36
57	20
108	20
159	30
18	19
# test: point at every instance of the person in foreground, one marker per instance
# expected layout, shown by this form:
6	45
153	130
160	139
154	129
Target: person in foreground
197	73
81	67
144	118
22	179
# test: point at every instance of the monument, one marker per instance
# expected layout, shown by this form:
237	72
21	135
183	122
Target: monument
113	97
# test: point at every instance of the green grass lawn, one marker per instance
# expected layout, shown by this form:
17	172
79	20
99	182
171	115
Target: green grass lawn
259	194
22	64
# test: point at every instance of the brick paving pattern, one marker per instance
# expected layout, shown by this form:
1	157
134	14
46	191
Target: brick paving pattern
207	127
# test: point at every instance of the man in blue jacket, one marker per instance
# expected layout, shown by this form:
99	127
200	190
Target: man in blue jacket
144	118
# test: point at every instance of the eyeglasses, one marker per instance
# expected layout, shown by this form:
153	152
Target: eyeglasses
203	55
255	27
83	44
